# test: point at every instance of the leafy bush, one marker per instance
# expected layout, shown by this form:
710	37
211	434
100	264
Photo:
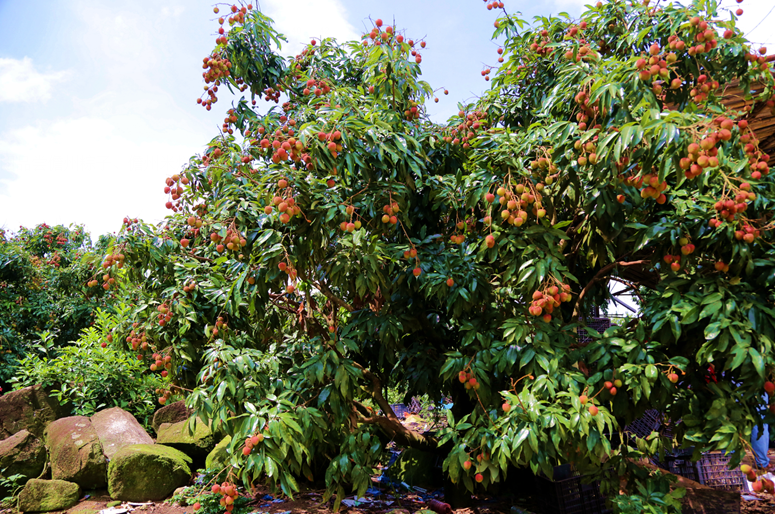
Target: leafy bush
89	377
43	276
10	487
209	502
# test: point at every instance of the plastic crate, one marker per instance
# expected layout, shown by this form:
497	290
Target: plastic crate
714	471
566	494
599	324
643	426
681	465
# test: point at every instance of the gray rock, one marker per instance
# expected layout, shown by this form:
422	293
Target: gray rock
117	428
31	409
48	495
76	452
172	413
147	472
22	454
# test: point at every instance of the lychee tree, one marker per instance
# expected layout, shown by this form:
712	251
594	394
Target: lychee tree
342	243
44	303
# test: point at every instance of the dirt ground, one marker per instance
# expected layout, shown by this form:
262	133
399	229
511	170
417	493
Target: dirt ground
382	501
307	502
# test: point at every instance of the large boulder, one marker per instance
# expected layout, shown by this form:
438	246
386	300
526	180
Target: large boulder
48	495
219	458
147	472
172	413
117	428
196	443
76	452
30	409
23	454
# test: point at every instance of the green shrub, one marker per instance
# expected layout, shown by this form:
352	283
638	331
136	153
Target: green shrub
88	377
43	289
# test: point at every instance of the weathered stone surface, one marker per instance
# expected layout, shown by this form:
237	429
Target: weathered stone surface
117	428
147	472
197	444
29	409
172	413
219	457
23	454
76	452
48	495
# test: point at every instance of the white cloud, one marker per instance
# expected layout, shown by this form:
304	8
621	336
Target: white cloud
21	82
92	170
302	20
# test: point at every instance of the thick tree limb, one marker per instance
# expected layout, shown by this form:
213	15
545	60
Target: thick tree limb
602	273
389	422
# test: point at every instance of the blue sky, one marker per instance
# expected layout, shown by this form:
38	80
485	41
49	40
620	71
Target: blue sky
97	98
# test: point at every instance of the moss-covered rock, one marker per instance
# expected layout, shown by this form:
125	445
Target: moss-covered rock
196	443
147	472
48	495
23	454
172	413
220	456
30	409
76	452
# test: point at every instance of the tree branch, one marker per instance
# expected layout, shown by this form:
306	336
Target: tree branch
389	423
602	273
327	292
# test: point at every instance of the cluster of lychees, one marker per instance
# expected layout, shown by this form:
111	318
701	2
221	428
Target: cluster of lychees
291	272
540	45
164	315
546	300
468	379
460	237
758	484
728	208
390	210
587	116
137	337
251	442
166	394
233	241
466	130
587	151
285	204
515	200
160	362
388	36
173	186
220	325
705	153
283	145
350	226
493	5
111	260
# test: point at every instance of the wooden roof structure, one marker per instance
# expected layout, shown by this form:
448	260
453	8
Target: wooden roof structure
761	119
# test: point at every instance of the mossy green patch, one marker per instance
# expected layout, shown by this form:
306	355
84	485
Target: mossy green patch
144	472
219	457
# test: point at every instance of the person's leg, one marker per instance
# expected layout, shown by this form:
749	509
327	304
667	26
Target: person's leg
760	443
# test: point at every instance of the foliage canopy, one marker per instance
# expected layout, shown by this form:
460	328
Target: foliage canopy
346	244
